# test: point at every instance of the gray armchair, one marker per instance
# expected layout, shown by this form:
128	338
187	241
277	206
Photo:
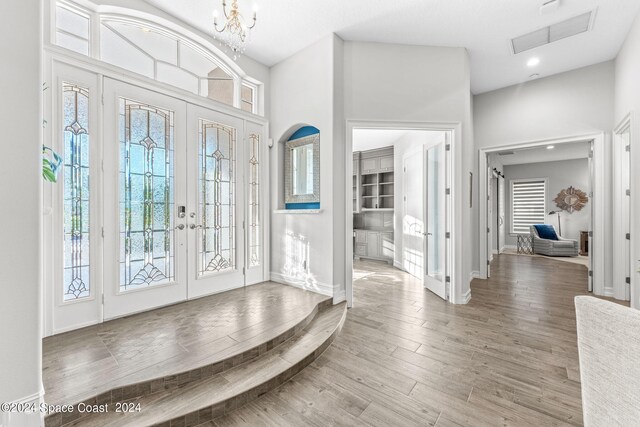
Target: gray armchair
560	247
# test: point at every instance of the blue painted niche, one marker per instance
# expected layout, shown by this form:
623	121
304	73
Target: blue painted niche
301	133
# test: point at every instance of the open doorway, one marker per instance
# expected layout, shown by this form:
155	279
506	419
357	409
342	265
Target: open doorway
400	206
539	187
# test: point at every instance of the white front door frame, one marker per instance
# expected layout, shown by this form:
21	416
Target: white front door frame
598	199
453	218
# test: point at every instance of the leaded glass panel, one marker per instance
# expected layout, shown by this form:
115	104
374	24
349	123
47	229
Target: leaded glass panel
254	200
146	195
76	192
216	209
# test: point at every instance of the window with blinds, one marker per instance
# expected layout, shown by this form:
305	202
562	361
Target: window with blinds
527	204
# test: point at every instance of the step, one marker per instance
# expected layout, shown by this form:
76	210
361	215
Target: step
166	375
206	399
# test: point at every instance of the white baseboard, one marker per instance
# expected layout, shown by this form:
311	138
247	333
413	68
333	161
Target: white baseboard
509	247
494	251
398	265
608	291
317	287
474	275
339	296
25	419
464	298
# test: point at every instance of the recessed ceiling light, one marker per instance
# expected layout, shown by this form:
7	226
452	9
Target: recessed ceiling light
533	61
145	29
550	147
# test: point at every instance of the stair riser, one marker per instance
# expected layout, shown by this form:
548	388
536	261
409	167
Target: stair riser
135	391
222	408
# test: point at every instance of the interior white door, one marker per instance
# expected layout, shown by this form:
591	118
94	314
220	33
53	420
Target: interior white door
216	212
501	214
436	219
413	223
145	235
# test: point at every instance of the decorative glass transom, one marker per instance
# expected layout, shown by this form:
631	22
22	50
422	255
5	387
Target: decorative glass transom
254	200
146	195
76	192
216	212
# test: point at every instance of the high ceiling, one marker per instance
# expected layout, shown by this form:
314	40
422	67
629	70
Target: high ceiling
484	27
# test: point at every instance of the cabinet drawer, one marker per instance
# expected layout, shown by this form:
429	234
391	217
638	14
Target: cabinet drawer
361	250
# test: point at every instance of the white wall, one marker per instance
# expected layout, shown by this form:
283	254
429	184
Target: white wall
574	103
387	82
302	88
627	100
21	216
560	175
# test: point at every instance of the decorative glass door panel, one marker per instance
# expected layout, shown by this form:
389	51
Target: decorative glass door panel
256	197
146	195
217	191
145	183
72	258
77	282
215	187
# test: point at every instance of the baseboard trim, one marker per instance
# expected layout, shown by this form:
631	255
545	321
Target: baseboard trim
509	247
474	275
317	287
608	291
25	419
339	296
464	299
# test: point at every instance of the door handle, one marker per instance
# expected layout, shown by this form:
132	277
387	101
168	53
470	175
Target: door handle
179	227
194	226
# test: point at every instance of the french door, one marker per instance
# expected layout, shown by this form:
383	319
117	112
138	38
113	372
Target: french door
179	214
425	215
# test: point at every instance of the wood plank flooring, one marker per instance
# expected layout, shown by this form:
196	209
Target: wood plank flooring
85	363
405	357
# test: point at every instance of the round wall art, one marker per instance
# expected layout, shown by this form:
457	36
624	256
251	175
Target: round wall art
571	199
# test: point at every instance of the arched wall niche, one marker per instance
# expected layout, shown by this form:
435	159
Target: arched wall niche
293	133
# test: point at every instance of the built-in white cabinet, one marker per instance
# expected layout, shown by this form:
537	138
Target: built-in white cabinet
370	165
386	163
374	244
356	182
375	182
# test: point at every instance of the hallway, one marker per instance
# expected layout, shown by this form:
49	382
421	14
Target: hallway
405	357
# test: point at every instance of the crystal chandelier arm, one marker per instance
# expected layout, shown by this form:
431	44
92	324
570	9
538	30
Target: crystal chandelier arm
224	9
254	21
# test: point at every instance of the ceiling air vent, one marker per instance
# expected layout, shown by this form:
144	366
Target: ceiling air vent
553	33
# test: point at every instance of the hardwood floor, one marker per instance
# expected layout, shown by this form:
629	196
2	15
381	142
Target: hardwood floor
405	357
140	354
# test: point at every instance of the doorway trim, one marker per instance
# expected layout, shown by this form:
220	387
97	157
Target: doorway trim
620	289
598	185
453	216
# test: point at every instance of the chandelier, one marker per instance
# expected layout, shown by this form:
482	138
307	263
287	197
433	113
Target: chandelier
235	31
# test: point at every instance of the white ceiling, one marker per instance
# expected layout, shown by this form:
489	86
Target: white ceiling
565	151
484	27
